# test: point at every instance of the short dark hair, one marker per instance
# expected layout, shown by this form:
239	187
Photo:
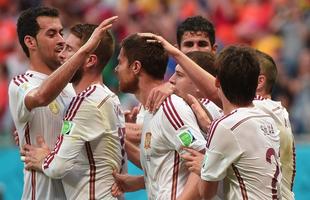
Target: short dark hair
152	56
104	50
27	23
269	69
238	71
205	60
195	24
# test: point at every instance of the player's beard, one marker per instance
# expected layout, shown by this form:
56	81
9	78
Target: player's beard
77	76
129	86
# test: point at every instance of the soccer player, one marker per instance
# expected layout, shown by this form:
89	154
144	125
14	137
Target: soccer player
266	81
34	102
243	146
40	35
196	34
141	67
90	145
184	86
193	34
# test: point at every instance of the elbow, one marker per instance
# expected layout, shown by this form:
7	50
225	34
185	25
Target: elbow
56	172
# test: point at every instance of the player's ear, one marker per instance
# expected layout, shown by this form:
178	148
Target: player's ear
30	42
136	67
214	48
91	60
261	82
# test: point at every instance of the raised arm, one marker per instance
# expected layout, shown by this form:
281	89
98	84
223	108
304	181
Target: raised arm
56	82
202	79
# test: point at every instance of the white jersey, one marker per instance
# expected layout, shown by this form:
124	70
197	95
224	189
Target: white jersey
172	126
140	115
46	121
242	150
90	146
287	147
213	111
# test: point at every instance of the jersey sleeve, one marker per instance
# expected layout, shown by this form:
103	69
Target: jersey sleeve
17	94
85	126
180	126
222	151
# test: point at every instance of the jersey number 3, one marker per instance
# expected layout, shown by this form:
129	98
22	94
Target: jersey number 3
271	152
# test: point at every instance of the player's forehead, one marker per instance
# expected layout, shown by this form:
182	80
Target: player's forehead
179	70
73	41
122	55
195	36
49	23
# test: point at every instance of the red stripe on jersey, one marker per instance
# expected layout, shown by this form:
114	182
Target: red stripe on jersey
92	173
15	81
71	107
172	114
214	125
49	158
33	184
294	166
20	79
245	119
175	112
33	172
204	101
71	112
29	74
122	135
24	77
175	175
241	183
168	116
258	97
76	108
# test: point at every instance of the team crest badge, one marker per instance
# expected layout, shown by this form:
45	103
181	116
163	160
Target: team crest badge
54	107
147	140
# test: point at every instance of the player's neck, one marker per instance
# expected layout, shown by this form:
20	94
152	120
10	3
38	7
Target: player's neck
145	85
263	94
39	66
228	107
86	81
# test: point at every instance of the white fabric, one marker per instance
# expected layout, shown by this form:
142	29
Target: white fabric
90	146
237	152
46	121
160	147
287	148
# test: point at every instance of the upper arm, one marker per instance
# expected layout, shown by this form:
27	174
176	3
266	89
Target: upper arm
17	100
181	127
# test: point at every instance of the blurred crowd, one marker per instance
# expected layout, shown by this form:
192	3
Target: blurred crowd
280	28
